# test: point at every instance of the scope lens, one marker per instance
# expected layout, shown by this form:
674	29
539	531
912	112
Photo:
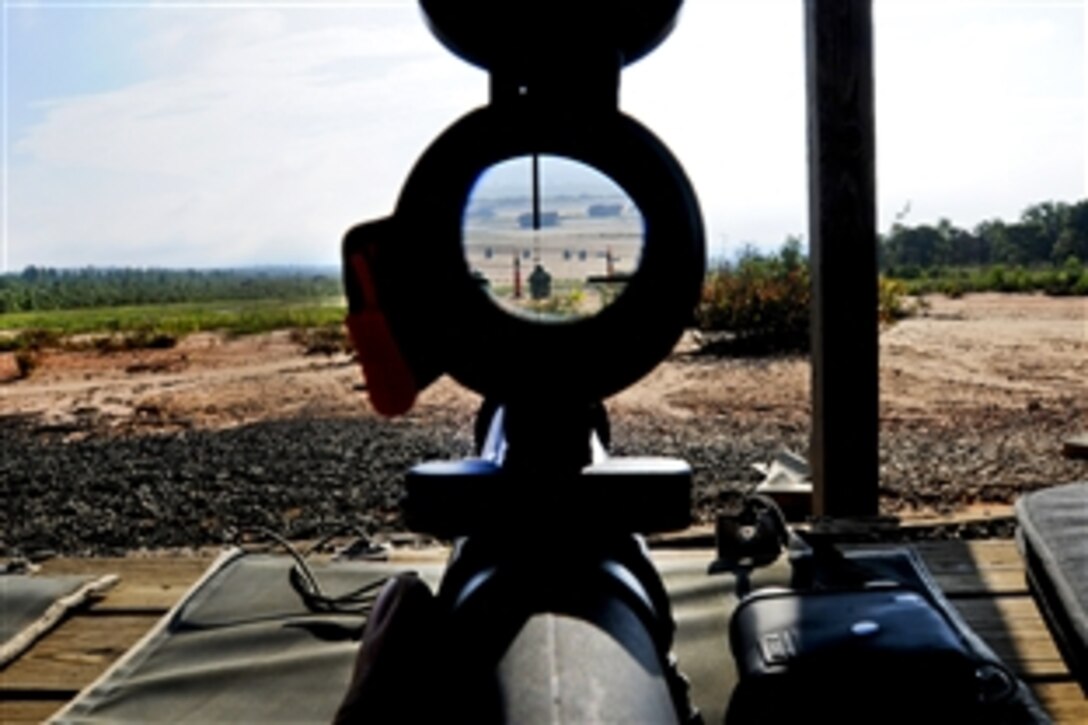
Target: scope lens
552	239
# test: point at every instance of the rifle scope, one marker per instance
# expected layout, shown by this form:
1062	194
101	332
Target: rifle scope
546	249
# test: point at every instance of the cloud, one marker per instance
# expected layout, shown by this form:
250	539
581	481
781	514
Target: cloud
264	148
260	134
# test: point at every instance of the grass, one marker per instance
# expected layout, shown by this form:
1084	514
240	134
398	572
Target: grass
235	317
1070	278
317	325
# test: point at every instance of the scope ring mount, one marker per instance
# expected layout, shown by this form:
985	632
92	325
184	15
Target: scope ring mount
529	29
510	358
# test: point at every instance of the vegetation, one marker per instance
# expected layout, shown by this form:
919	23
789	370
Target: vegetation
325	340
239	317
1047	236
51	308
42	289
763	303
761	300
25	362
562	303
1071	278
1045	251
759	304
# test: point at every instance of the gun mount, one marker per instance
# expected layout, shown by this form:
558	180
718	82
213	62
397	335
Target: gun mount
418	309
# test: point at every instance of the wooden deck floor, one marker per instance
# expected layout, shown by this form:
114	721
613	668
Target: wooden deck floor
985	580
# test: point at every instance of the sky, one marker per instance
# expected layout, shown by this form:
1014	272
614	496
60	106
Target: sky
205	133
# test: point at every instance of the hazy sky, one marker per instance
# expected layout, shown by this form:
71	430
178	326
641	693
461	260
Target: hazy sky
209	132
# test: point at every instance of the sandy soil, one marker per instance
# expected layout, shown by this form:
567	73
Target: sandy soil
977	395
206	382
983	354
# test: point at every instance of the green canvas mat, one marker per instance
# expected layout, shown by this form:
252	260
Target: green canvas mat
241	647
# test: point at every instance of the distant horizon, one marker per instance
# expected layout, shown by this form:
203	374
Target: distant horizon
734	252
285	266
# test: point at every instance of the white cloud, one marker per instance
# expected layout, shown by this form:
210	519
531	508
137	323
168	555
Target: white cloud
262	151
261	134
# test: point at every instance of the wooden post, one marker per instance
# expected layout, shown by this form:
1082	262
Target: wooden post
842	238
517	275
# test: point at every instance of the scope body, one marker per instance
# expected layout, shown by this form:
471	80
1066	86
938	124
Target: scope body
560	631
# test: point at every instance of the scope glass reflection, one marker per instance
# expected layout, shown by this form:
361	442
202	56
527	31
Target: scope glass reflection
551	238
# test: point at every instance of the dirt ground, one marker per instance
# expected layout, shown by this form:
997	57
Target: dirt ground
992	355
977	395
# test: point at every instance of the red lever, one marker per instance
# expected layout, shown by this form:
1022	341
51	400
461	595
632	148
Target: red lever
389	381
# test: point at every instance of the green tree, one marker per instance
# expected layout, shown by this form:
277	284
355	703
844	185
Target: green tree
1047	221
1072	241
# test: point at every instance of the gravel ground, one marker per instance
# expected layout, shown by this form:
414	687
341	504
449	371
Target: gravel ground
183	447
305	478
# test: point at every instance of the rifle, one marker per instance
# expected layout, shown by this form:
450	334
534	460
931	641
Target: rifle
549	602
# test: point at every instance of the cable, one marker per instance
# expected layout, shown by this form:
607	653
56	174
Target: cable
302	580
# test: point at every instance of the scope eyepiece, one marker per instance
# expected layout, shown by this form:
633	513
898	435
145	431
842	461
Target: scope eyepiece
442	316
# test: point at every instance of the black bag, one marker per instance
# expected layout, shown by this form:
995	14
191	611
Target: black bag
858	639
876	654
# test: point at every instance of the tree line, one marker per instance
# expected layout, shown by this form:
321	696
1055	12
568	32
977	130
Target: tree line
1050	234
1047	234
44	288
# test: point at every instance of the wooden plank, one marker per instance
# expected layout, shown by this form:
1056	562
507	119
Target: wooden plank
26	711
986	582
1010	623
972	554
74	654
1030	657
1076	446
1015	611
1015	630
974	568
921	517
79	651
843	249
149	583
1064	701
